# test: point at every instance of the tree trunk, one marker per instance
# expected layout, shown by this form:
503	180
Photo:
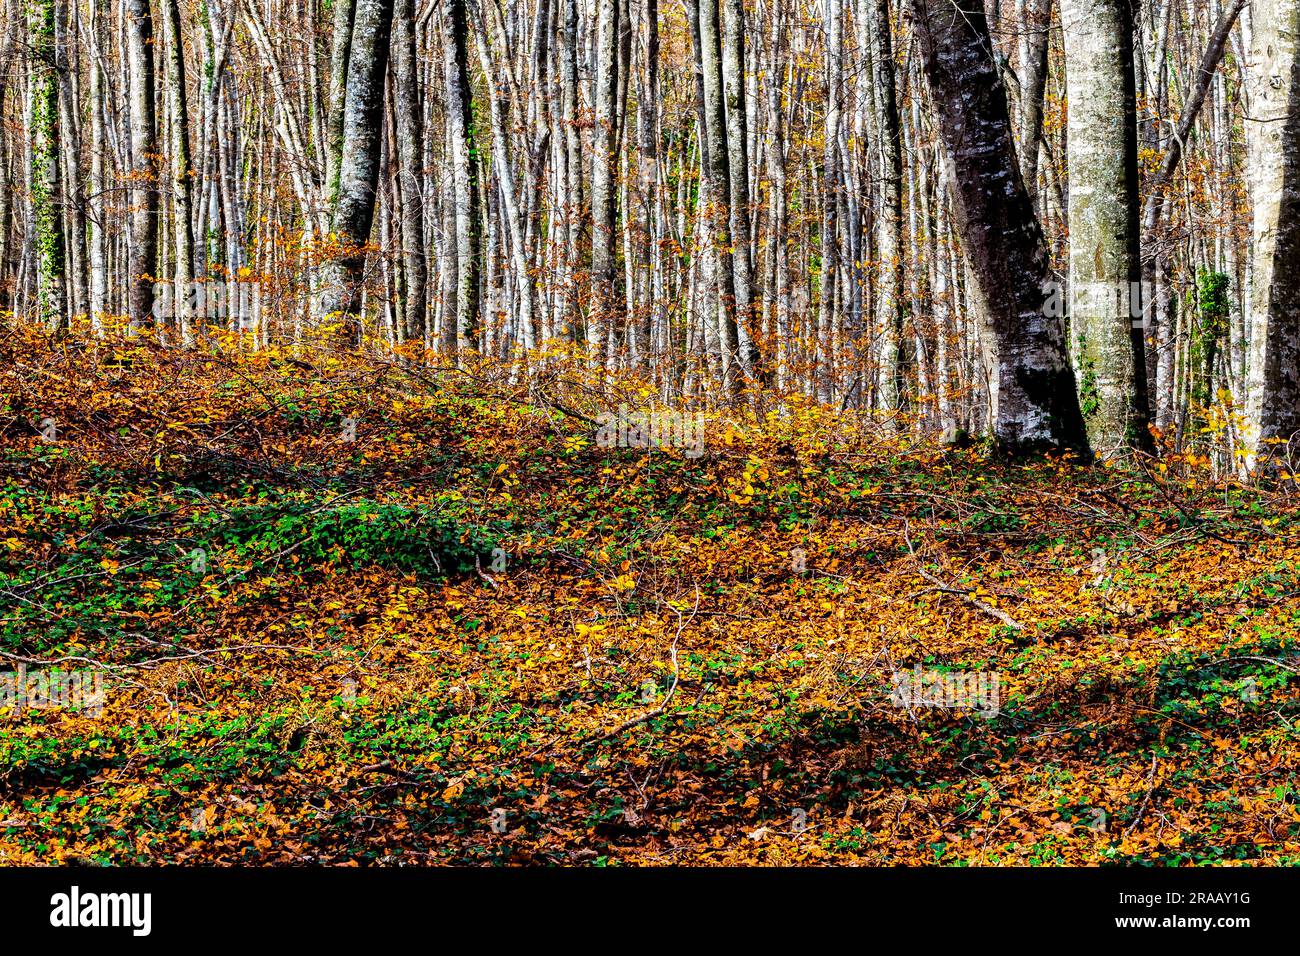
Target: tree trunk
410	148
182	225
460	331
891	216
46	181
354	209
733	82
1034	400
1273	177
604	163
143	266
340	50
1105	254
719	189
1035	21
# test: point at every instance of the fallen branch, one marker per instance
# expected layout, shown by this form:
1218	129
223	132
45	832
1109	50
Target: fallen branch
663	704
965	593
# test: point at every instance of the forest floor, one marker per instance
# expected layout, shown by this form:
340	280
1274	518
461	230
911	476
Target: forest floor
283	571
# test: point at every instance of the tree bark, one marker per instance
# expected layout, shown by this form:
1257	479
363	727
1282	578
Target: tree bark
354	208
410	149
182	224
1034	400
46	181
1273	177
891	217
460	330
1105	252
143	265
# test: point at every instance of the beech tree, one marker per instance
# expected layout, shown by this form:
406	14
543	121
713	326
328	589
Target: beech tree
1273	167
1105	254
1034	398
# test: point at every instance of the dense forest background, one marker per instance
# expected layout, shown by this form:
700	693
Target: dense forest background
707	196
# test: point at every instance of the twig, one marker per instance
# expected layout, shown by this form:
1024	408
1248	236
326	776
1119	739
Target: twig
1151	785
663	704
965	593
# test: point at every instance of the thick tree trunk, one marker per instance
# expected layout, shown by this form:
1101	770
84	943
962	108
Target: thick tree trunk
1105	252
354	209
1273	176
1034	398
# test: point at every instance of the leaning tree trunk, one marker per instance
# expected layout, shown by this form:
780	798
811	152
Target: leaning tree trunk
1034	400
144	148
1273	177
1105	252
354	209
47	184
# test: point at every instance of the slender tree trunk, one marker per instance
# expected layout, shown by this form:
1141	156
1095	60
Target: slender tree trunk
340	52
733	82
714	131
98	147
461	331
1035	21
410	149
604	163
182	224
143	266
74	190
833	179
46	181
891	216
